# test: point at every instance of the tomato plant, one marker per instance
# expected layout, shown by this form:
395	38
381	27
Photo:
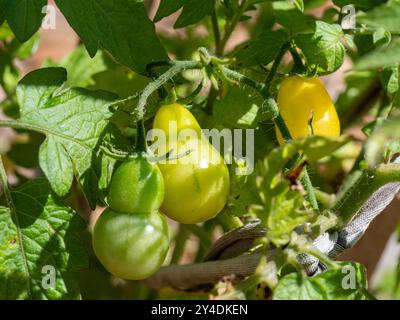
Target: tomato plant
267	131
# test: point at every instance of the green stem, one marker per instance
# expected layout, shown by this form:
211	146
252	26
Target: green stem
275	66
216	32
362	189
298	66
4	185
210	101
177	67
306	181
141	143
180	242
246	81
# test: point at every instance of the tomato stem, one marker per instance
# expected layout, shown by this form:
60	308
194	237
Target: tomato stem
141	143
216	32
362	188
180	242
305	179
275	66
298	66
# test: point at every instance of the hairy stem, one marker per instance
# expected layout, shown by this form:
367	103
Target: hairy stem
141	143
306	181
275	66
177	67
180	242
348	205
216	32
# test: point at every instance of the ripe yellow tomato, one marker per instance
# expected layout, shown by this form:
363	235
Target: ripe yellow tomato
300	99
197	184
179	116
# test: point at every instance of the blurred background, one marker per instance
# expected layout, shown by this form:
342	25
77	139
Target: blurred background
378	250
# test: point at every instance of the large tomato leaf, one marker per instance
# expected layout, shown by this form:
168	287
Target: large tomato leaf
121	27
322	47
40	246
75	122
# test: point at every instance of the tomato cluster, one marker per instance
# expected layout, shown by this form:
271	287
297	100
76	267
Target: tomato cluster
131	237
192	184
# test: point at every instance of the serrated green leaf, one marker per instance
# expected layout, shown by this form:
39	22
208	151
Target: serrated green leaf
24	16
74	122
122	28
41	232
285	215
262	50
385	16
329	285
322	48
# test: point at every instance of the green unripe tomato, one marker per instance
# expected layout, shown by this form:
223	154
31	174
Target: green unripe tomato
136	186
131	246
